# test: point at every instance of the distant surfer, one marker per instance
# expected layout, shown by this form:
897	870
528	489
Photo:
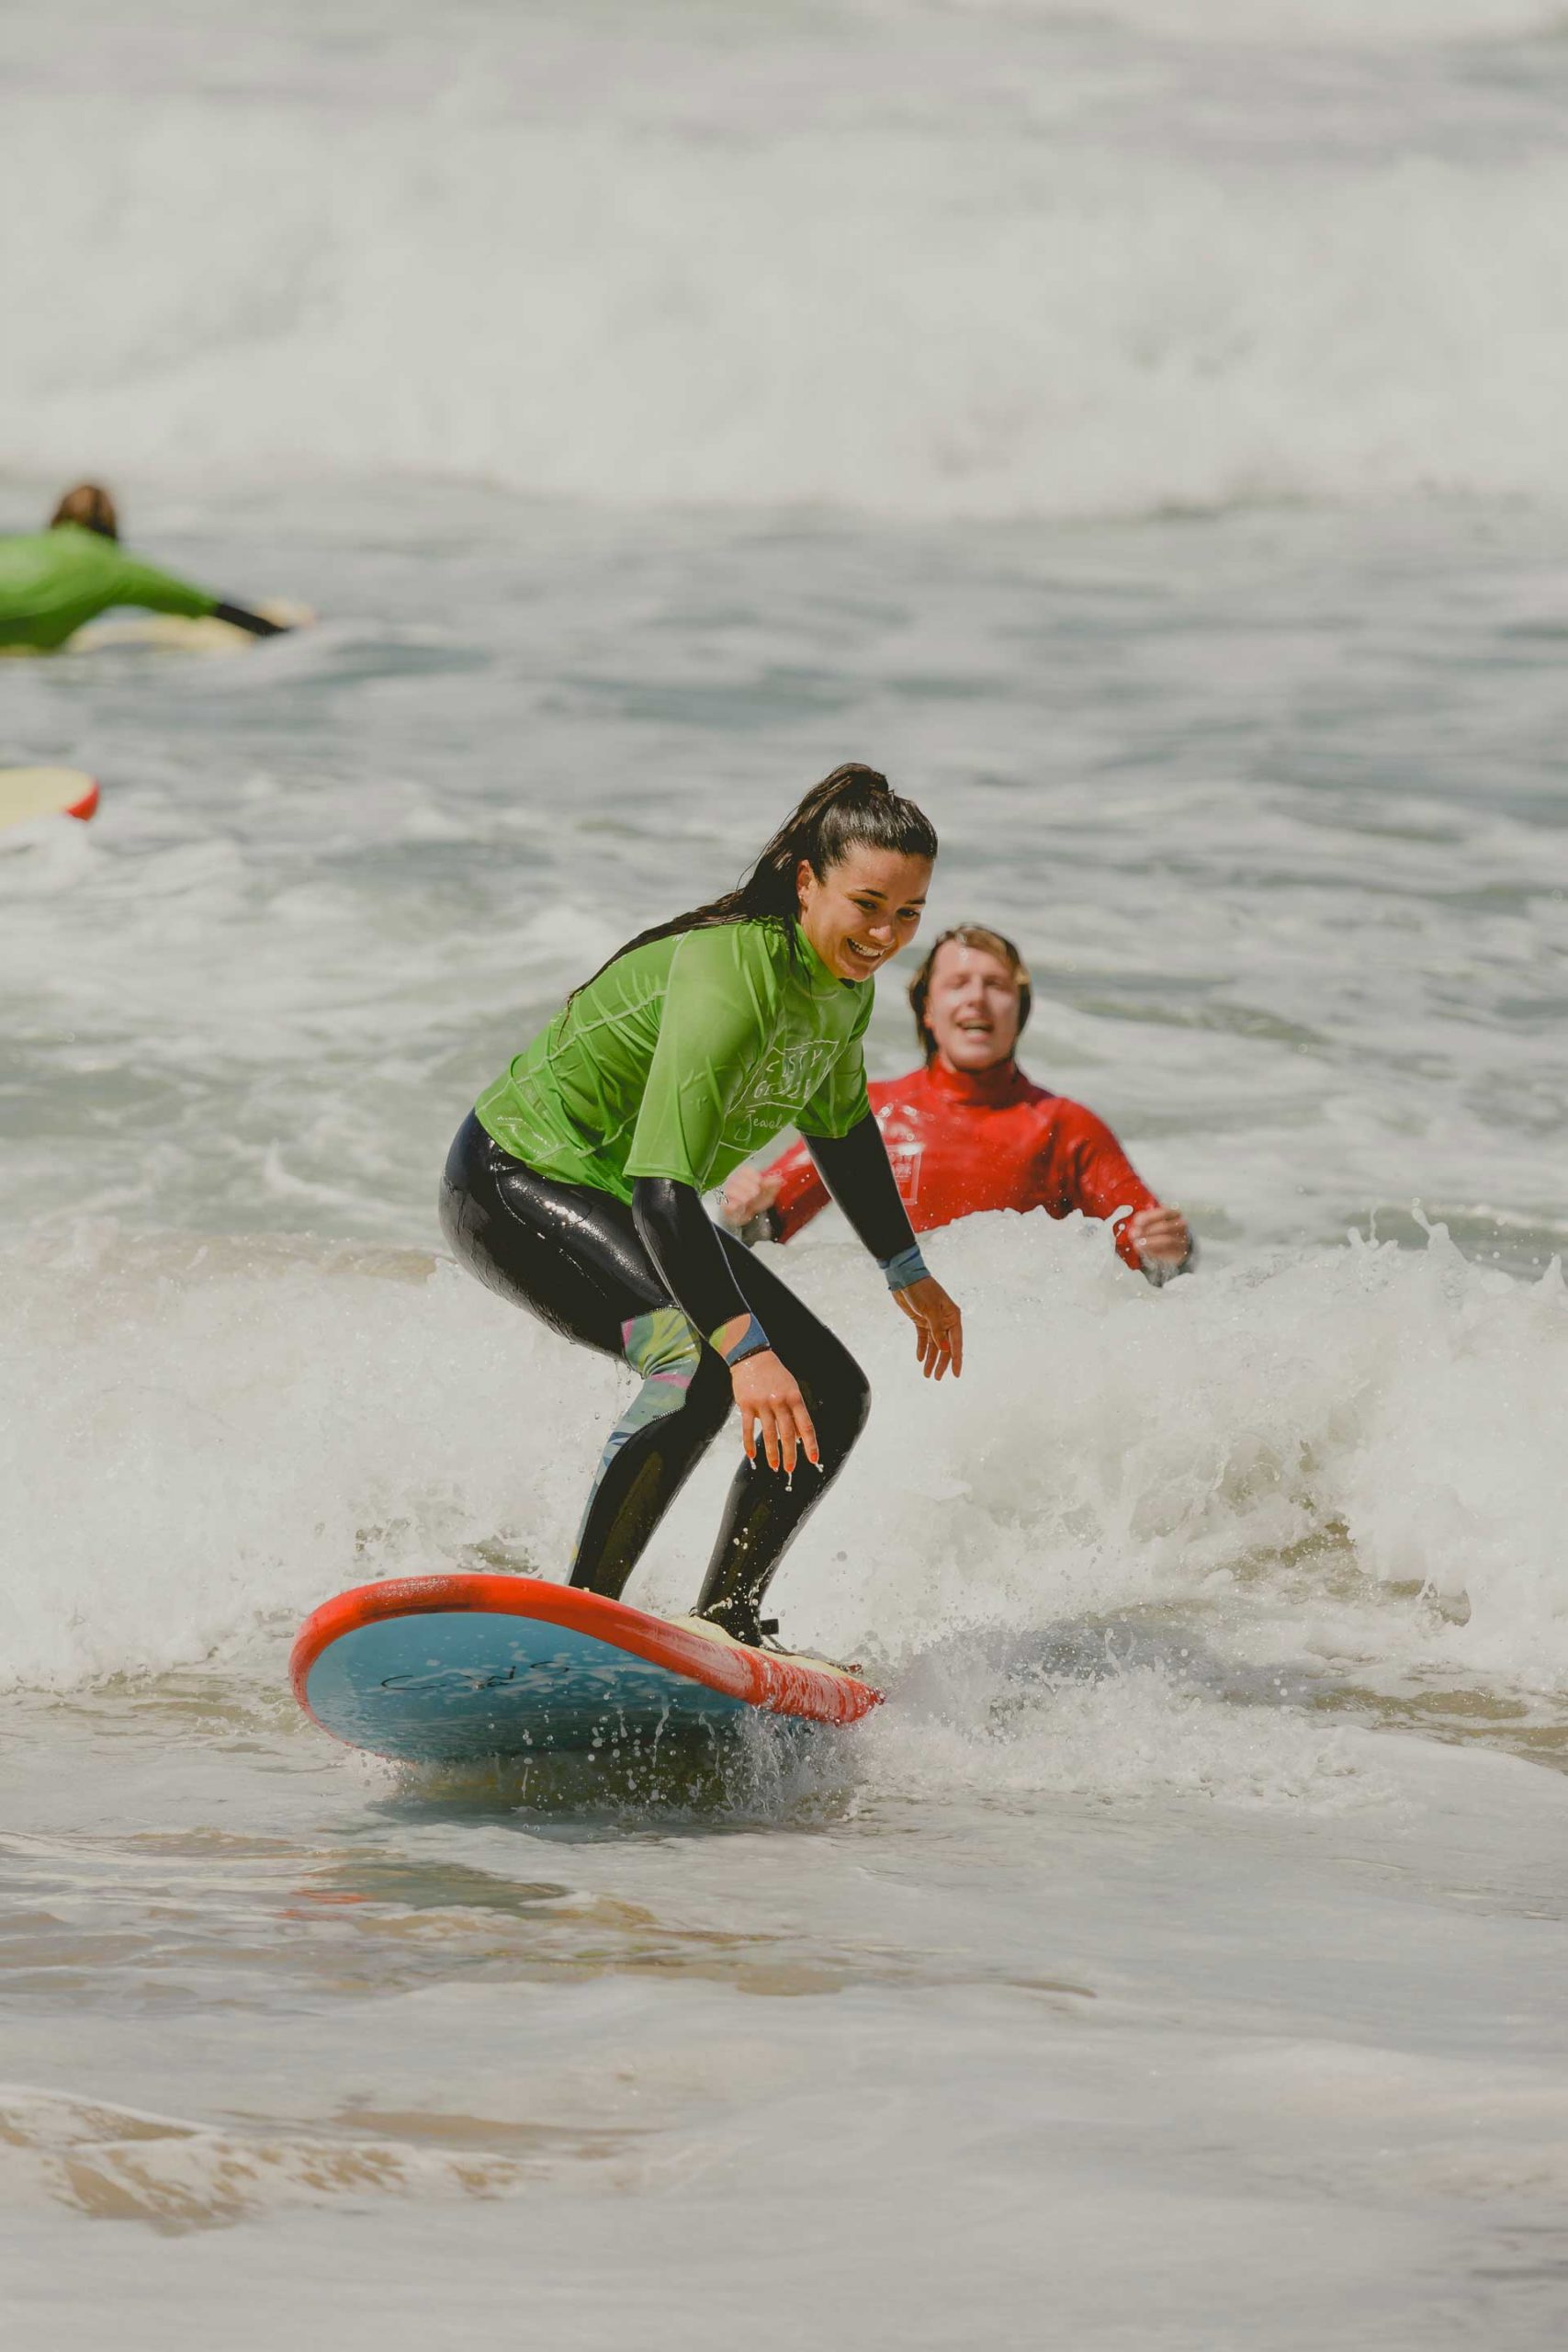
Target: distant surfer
574	1188
52	582
968	1131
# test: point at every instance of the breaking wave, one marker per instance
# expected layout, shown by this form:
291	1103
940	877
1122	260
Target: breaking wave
926	260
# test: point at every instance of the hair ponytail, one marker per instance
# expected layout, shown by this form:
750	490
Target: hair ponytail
854	804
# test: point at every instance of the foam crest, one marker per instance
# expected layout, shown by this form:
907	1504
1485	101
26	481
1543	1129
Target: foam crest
710	271
211	1433
1392	1414
206	1438
964	1720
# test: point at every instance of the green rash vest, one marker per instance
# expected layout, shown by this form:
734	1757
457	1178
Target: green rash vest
682	1057
50	581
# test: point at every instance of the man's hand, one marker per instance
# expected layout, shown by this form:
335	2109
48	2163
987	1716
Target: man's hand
749	1192
939	1325
1160	1234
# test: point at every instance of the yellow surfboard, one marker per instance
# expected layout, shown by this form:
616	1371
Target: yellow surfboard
174	633
45	792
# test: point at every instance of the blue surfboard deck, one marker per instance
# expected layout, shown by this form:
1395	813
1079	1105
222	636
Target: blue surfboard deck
455	1688
463	1668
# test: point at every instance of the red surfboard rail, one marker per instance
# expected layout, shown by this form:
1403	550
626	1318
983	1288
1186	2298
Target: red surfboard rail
777	1685
88	804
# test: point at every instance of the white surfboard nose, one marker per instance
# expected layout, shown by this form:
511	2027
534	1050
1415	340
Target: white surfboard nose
46	792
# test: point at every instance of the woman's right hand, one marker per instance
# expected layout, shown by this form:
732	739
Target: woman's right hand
773	1408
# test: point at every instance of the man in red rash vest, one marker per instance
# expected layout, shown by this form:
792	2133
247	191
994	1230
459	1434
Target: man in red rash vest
969	1132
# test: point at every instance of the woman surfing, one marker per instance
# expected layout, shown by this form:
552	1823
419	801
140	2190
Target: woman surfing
574	1187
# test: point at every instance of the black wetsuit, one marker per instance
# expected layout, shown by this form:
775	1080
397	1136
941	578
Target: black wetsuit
640	1283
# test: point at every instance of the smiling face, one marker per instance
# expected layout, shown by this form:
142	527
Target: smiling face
863	909
972	1009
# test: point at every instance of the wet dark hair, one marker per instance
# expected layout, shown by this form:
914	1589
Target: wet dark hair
990	943
90	507
855	806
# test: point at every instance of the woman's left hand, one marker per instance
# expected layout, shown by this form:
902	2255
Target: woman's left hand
939	1325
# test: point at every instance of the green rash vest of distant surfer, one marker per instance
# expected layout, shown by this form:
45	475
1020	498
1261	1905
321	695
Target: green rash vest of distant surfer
52	582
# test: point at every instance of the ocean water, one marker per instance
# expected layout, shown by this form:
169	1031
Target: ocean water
1139	429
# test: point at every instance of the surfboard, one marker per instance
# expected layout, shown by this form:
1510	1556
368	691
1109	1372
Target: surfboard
45	792
460	1667
177	633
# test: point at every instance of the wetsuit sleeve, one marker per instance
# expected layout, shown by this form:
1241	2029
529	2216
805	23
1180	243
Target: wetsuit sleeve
1105	1181
160	591
860	1177
680	1237
802	1195
253	624
712	1027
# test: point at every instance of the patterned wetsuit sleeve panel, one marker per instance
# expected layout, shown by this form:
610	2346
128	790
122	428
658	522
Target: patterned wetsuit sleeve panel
1105	1181
712	1028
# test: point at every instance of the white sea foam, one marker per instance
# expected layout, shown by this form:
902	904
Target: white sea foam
984	262
961	1725
1110	1448
205	1438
